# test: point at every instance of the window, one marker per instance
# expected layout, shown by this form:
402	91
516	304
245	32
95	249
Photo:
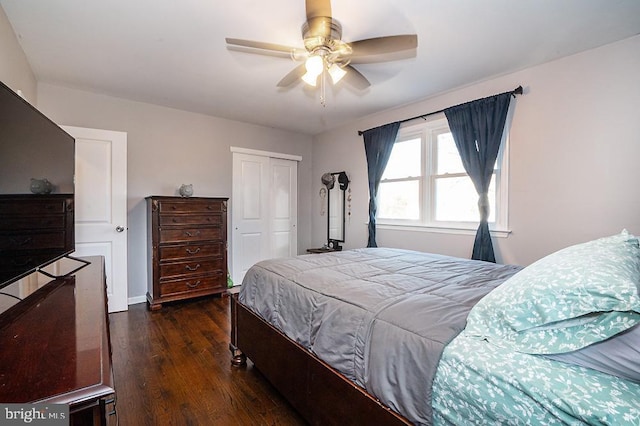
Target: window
425	184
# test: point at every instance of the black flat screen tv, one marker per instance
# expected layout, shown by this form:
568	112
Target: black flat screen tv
33	147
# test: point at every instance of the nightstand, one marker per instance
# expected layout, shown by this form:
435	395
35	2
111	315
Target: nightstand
320	250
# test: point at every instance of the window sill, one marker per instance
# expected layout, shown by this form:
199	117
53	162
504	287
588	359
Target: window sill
499	233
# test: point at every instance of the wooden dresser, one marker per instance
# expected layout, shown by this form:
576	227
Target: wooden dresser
55	343
34	229
187	248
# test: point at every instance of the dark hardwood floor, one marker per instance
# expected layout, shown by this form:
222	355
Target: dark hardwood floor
172	367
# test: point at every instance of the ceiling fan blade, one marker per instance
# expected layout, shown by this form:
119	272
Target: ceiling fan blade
355	78
294	76
272	53
385	57
318	8
383	45
260	45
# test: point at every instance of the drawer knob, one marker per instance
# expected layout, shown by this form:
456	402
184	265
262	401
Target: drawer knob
192	234
193	251
194	285
192	268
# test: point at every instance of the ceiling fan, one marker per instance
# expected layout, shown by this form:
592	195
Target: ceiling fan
325	52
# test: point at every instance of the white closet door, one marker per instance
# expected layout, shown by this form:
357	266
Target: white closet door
250	212
263	210
283	198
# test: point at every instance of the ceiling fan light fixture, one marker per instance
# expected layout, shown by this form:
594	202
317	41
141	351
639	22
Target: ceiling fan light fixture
336	72
310	79
314	65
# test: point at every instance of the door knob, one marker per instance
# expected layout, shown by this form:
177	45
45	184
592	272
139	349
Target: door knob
119	228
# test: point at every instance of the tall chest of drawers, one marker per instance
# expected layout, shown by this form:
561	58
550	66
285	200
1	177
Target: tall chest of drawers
187	248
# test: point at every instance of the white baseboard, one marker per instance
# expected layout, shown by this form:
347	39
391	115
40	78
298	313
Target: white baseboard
136	300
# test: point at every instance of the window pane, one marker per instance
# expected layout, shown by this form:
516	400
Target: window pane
448	157
457	200
404	160
399	200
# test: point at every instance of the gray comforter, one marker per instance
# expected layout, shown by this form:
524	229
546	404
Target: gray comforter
382	317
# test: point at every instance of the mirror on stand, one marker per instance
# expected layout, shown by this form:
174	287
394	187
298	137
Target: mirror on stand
337	184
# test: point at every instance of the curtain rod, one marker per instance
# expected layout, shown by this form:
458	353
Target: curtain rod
517	91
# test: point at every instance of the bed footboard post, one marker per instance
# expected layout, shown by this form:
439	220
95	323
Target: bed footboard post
237	357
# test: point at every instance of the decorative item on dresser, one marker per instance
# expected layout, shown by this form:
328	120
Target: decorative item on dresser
186	190
187	248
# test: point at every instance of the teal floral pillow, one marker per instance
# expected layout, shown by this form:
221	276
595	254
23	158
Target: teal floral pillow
570	299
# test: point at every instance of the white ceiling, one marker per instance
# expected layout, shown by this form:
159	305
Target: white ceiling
173	52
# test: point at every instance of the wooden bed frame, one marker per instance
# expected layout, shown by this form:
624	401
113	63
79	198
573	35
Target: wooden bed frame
321	394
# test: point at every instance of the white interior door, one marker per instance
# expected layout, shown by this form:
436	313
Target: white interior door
263	210
101	205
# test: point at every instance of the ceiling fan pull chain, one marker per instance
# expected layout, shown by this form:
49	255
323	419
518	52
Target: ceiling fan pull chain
323	99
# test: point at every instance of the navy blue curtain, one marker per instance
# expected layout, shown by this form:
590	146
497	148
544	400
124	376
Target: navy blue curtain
378	144
477	129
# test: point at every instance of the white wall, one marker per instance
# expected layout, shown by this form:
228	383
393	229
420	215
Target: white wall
574	162
168	147
15	71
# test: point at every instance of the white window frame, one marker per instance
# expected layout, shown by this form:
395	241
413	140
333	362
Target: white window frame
427	131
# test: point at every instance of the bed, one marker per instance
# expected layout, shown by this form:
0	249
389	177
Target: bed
389	336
